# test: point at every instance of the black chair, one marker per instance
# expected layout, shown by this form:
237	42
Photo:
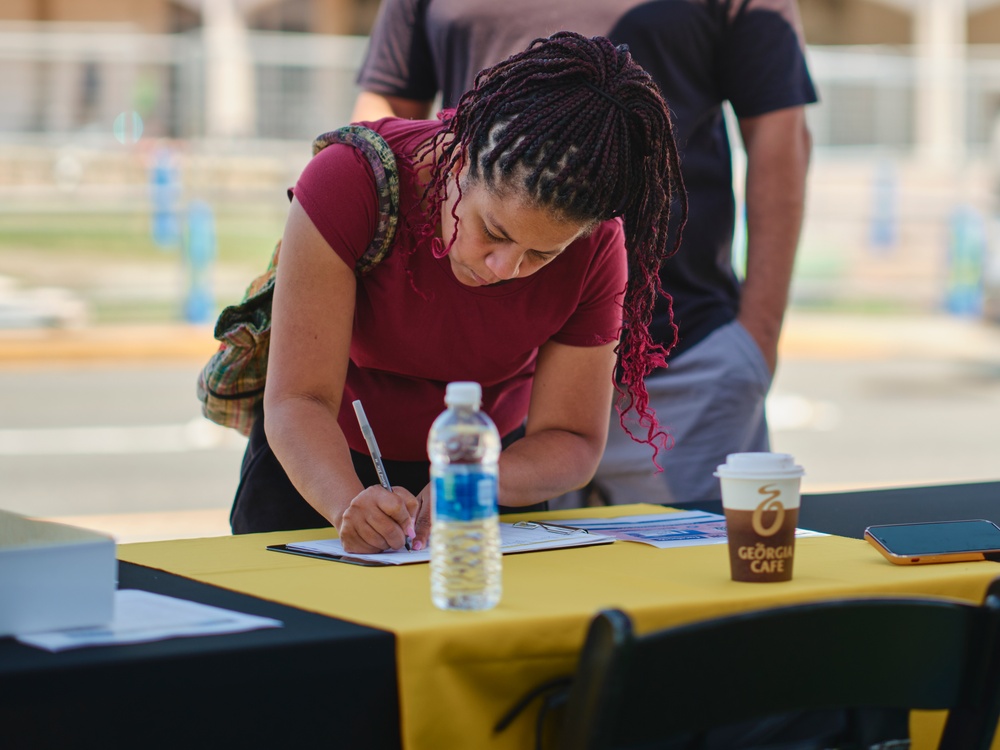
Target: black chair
886	653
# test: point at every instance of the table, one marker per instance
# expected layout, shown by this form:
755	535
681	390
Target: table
266	688
458	672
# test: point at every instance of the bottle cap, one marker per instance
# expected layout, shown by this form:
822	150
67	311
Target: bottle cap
463	394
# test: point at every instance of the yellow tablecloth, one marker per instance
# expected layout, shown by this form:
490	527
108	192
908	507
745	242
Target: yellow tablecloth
459	672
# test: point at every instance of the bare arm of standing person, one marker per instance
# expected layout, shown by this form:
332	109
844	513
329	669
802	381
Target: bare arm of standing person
313	313
397	77
778	145
371	106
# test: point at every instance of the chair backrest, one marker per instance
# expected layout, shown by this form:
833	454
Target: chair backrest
880	653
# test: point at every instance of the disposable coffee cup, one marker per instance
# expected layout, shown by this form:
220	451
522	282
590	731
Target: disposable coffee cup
760	497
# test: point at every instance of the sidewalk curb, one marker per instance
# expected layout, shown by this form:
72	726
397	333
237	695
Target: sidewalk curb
107	343
816	335
806	335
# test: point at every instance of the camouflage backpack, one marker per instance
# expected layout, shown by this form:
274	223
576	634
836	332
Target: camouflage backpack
231	384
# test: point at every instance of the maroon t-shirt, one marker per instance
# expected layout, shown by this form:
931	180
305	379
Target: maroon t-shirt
411	338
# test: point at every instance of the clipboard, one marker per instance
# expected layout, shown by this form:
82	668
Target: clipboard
320	556
516	538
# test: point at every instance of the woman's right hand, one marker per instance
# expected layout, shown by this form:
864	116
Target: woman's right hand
378	520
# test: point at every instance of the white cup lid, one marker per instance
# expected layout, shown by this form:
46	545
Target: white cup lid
759	465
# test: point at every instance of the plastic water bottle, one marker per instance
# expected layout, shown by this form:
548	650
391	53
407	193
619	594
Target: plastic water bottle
464	447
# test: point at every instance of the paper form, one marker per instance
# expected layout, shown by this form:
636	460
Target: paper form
688	528
525	536
142	616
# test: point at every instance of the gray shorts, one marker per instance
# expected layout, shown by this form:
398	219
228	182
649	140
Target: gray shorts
711	402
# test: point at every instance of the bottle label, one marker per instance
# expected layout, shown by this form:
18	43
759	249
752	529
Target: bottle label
465	496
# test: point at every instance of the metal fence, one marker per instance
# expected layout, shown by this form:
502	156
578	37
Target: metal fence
89	79
866	97
83	107
77	79
869	96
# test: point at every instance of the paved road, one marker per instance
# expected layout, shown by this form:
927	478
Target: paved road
122	442
888	422
111	441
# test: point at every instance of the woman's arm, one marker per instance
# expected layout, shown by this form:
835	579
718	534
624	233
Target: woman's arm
313	313
567	424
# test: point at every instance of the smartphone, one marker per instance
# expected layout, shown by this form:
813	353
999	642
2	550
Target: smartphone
935	542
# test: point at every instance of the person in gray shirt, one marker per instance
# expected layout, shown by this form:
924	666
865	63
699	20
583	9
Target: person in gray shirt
723	331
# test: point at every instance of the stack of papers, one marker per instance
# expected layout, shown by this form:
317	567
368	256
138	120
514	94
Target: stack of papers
53	576
142	616
687	528
524	536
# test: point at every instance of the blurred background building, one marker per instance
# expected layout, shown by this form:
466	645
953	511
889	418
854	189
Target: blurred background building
189	68
902	199
145	150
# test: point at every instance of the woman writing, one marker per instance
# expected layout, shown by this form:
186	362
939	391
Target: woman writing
532	224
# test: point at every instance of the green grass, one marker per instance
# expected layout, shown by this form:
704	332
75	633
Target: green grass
240	239
133	313
245	240
43	248
860	306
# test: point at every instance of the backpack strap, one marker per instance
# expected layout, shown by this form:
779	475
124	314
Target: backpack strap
231	384
383	164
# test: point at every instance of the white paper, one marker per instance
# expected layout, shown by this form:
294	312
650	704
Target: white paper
524	536
687	528
142	616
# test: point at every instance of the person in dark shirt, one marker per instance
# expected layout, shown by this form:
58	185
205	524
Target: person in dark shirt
702	54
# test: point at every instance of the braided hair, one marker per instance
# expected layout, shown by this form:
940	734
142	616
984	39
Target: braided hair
581	129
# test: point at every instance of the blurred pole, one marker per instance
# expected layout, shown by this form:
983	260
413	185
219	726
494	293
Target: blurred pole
966	251
230	101
991	274
991	262
199	304
883	233
165	195
939	38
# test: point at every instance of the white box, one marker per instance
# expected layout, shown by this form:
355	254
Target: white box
54	576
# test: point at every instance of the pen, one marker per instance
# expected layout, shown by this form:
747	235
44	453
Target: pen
366	431
554	528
